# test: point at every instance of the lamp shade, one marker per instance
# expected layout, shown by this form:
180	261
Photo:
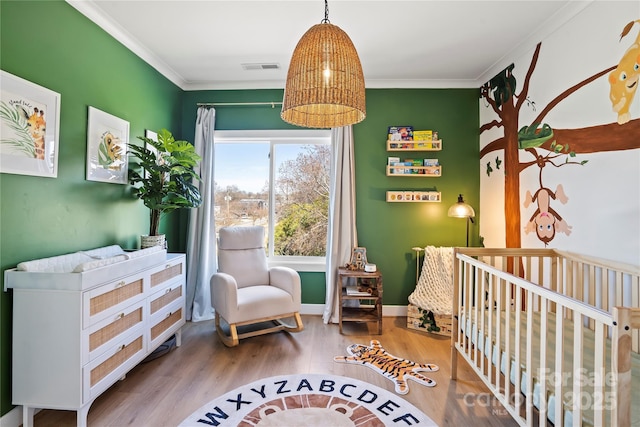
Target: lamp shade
461	209
325	83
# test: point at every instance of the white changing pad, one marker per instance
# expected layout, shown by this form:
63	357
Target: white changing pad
83	260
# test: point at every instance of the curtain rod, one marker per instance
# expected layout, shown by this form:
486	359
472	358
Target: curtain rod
236	104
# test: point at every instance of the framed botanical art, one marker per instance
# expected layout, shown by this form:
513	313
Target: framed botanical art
107	139
151	134
29	127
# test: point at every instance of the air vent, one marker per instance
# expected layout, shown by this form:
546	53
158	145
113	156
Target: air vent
261	66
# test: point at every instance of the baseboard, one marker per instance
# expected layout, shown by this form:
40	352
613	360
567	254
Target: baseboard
387	310
13	418
313	309
394	310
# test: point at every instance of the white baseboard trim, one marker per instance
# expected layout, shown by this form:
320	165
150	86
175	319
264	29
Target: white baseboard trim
395	310
312	309
387	310
13	418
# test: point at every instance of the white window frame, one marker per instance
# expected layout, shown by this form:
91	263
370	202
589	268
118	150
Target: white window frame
273	137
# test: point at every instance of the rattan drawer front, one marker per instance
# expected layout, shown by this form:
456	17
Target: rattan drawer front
121	355
166	298
171	319
122	324
121	293
169	272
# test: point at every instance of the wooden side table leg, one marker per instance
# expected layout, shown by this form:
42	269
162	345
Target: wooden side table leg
379	286
340	302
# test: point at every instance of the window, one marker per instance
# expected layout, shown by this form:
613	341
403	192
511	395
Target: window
279	180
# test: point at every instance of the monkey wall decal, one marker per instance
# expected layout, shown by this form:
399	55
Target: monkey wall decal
546	221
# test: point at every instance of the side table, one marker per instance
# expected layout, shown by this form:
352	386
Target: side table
367	290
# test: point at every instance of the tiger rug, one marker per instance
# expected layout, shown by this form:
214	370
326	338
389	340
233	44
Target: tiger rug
394	368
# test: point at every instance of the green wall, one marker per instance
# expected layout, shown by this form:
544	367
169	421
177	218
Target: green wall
387	230
51	44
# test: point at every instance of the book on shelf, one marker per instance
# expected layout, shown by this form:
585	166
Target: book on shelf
400	133
422	135
358	291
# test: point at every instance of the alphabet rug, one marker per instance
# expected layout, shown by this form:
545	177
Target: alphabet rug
308	400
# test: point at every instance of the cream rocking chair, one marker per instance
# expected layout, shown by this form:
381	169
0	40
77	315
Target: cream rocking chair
246	291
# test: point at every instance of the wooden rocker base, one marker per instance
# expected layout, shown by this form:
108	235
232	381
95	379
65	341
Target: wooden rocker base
233	338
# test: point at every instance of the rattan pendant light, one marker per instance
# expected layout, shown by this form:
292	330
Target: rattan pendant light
325	83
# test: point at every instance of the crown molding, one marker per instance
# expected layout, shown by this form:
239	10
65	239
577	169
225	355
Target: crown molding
91	11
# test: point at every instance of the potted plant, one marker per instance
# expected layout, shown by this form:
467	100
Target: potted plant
162	173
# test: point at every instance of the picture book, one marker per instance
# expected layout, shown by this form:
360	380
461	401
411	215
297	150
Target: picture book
400	133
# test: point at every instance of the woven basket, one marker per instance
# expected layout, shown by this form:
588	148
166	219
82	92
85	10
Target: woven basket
150	241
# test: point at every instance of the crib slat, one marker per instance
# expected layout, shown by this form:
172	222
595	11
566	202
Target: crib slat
577	367
619	288
606	289
542	378
599	376
498	353
591	291
490	338
579	281
477	303
635	302
529	359
517	386
481	303
507	344
570	285
559	419
553	267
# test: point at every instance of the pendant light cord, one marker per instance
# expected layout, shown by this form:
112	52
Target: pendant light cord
326	13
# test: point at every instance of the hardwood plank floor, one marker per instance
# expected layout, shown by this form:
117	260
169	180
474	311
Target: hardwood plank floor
165	391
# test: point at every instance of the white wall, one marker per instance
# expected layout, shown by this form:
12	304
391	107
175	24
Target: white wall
604	194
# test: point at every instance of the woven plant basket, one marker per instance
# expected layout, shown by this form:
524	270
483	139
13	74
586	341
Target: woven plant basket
150	241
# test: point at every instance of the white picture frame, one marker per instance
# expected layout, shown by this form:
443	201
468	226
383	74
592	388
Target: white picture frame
107	147
29	127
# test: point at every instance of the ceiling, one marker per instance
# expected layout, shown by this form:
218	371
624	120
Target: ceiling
203	44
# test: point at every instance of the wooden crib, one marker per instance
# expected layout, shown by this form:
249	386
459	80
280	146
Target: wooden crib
554	335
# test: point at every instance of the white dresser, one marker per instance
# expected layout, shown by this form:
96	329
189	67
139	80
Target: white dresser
76	334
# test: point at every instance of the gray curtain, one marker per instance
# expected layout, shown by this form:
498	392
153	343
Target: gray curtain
201	240
342	235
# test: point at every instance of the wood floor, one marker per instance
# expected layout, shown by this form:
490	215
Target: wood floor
165	391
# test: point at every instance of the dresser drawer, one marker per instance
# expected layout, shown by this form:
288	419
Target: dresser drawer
166	322
104	334
108	367
166	296
110	299
171	271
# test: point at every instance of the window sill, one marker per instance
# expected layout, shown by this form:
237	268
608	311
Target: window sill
302	265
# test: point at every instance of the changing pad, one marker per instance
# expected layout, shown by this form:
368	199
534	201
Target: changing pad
83	260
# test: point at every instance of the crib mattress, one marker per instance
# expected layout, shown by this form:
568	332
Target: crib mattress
471	326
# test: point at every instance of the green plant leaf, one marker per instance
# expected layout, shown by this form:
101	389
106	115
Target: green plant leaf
162	173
